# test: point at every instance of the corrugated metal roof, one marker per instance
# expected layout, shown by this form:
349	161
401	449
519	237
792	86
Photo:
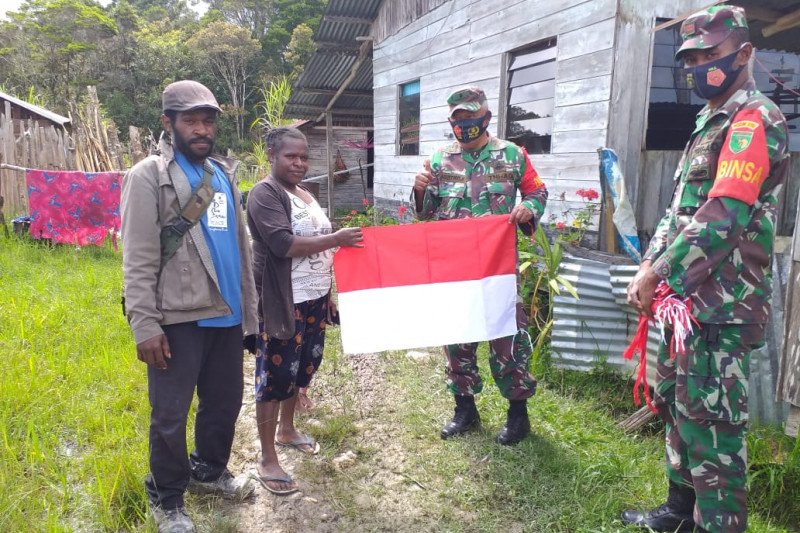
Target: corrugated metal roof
35	109
331	64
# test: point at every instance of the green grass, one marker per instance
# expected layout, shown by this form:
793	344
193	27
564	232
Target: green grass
74	420
576	473
73	408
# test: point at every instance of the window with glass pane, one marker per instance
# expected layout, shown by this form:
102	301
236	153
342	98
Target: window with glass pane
674	106
409	119
531	91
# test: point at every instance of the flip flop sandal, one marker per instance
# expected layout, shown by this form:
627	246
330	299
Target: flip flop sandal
264	480
300	445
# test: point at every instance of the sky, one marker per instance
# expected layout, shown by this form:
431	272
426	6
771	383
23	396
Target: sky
13	5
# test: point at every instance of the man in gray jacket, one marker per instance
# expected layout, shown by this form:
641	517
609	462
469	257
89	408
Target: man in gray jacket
190	299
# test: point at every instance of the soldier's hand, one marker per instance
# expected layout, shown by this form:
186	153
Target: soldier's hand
349	237
642	288
154	351
520	215
422	179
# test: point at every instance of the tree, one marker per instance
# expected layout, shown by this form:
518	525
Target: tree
300	48
228	49
59	37
286	15
251	14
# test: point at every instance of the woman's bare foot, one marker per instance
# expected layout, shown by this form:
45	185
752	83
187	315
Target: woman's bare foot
304	403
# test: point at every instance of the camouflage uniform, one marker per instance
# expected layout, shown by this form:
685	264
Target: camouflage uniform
473	184
715	245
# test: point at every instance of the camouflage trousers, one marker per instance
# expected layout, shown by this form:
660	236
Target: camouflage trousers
702	398
509	358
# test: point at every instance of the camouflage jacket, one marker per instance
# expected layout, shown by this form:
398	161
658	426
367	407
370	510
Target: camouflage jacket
715	242
468	184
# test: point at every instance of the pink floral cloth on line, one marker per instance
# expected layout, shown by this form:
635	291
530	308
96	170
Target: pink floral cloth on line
73	207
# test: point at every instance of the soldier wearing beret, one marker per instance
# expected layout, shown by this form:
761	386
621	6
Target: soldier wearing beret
714	246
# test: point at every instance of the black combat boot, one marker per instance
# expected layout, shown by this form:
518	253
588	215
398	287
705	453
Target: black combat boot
674	515
517	424
466	417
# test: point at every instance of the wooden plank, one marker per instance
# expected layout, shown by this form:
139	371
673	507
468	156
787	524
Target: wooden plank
598	36
658	169
786	22
437	37
592	115
533	30
583	91
578	141
585	66
407	17
329	152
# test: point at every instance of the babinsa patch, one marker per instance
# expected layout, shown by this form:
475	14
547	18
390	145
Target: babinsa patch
743	163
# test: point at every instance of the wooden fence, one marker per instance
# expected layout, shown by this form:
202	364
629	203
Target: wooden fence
91	146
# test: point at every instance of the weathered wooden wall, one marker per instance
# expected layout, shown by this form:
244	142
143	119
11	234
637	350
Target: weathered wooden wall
631	84
465	42
348	194
37	146
395	15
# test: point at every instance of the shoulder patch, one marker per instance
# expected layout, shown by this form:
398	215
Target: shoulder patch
743	163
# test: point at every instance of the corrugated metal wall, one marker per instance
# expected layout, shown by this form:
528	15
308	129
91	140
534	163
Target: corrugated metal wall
596	327
600	325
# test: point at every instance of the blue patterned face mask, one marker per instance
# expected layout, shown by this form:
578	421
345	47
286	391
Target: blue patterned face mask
714	78
469	129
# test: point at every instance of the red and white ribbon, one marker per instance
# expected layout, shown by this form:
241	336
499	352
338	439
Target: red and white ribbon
670	311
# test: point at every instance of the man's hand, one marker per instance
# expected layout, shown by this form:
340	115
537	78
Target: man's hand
154	351
520	215
642	288
422	179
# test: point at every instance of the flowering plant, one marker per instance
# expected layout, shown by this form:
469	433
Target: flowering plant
574	222
371	217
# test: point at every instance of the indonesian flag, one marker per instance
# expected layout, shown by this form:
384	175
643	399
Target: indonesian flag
430	284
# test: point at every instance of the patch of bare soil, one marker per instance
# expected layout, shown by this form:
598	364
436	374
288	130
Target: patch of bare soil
360	485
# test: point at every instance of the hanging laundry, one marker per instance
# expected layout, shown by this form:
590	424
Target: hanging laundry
73	207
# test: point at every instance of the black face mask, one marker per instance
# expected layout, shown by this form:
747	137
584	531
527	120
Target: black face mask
469	129
713	79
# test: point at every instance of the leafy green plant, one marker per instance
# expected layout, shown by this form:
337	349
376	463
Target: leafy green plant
539	283
274	95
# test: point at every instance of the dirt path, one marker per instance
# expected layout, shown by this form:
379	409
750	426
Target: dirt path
358	482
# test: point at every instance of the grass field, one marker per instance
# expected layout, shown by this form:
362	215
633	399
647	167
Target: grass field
73	404
73	419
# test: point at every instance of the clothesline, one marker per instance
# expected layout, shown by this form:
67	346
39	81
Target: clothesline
345	171
12	167
313	178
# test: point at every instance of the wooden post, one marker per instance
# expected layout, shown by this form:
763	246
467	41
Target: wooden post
329	145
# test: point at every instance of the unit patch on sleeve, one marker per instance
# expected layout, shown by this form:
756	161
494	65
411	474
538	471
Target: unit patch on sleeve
743	161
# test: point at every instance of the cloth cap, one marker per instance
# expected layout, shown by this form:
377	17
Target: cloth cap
468	98
186	95
709	27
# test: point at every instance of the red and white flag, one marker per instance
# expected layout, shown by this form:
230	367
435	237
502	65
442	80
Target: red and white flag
420	285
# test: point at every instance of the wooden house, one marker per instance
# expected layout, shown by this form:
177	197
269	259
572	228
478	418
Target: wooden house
20	111
563	78
352	145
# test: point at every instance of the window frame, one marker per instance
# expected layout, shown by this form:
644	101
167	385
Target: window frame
505	78
398	129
